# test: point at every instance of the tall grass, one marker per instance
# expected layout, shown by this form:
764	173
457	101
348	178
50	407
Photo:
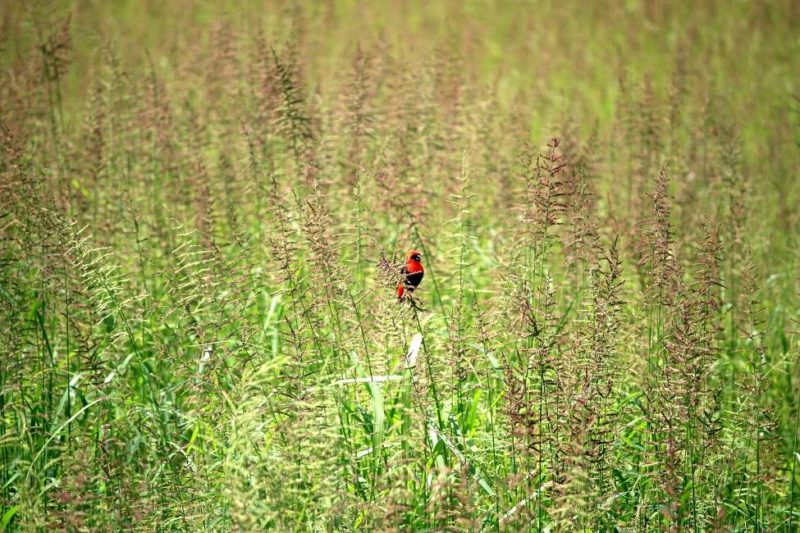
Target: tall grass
200	208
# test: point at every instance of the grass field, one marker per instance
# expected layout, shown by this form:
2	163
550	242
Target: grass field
195	333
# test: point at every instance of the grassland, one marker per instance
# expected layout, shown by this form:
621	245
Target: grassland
195	333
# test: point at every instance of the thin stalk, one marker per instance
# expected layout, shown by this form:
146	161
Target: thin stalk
795	459
437	403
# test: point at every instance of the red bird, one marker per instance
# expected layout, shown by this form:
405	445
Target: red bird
412	272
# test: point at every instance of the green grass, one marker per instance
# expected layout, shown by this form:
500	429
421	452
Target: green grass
195	332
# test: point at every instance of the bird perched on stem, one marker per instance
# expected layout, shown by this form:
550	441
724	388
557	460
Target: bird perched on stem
412	273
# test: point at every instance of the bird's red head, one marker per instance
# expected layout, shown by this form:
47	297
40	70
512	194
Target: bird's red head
413	255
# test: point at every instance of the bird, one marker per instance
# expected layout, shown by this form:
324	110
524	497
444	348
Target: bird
412	273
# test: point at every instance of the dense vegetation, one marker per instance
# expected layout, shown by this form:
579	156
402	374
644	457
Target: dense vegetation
195	199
